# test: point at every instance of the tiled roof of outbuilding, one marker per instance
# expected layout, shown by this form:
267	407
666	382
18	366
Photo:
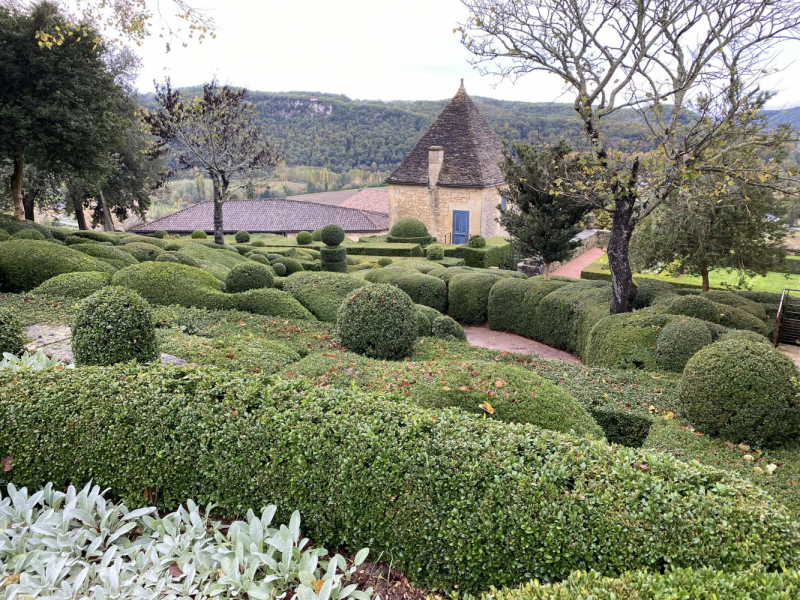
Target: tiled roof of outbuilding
471	149
269	216
369	199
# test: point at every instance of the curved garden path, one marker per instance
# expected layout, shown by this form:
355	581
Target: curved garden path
481	335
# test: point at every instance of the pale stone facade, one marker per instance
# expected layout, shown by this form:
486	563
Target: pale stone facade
434	206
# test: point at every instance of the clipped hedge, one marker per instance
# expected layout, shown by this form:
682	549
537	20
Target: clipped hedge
422	289
10	333
678	341
116	257
457	500
447	328
379	321
737	301
4	235
496	252
98	236
513	304
242	237
74	285
651	292
435	253
114	325
332	235
58	232
290	264
409	228
142	252
322	293
270	302
11	226
248	276
425	318
170	283
384	249
26	264
566	316
737	318
741	390
468	297
28	234
199	235
304	238
694	306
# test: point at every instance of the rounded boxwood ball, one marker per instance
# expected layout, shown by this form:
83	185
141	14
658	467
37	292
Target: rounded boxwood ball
167	257
114	325
242	237
678	341
744	335
304	238
447	328
477	241
4	235
28	234
409	228
332	235
10	333
741	391
248	276
694	306
316	235
379	321
435	253
385	261
172	246
279	268
199	235
160	234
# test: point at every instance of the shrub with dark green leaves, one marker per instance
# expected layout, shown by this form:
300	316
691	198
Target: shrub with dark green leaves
737	301
242	237
304	238
25	264
172	247
322	293
743	335
621	426
476	241
160	234
737	318
447	328
566	316
626	340
316	235
435	253
103	236
248	276
385	261
741	391
332	235
74	285
290	265
28	234
10	333
457	500
142	252
423	289
409	228
59	232
170	283
652	292
270	302
678	341
112	255
11	226
73	240
199	235
259	258
279	268
468	297
168	257
257	244
114	325
379	321
4	235
425	318
694	306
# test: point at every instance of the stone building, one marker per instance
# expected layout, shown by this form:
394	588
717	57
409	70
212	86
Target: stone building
451	179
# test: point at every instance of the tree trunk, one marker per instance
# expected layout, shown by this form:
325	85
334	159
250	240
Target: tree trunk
704	273
80	217
108	224
547	271
623	288
28	204
16	185
219	193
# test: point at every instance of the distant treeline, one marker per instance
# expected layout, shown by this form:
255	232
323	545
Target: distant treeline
334	132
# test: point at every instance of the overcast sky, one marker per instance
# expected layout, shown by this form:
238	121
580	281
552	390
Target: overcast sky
365	49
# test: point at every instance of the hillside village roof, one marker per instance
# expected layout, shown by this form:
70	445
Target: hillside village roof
269	216
369	199
471	149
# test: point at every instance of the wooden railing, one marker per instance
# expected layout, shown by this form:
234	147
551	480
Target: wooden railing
787	320
778	317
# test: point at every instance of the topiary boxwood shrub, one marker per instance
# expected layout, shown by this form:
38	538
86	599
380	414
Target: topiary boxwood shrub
199	235
434	252
409	231
652	292
4	235
379	321
100	236
143	239
116	257
142	252
626	340
28	234
737	301
423	289
457	500
269	302
279	268
10	333
737	318
468	297
168	257
59	232
74	285
114	325
11	226
476	241
257	244
304	238
385	261
170	283
242	237
425	318
160	234
694	306
248	276
566	316
332	235
678	341
447	328
26	264
741	391
743	335
172	247
322	293
290	265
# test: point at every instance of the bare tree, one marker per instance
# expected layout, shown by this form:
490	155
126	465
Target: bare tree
690	68
214	132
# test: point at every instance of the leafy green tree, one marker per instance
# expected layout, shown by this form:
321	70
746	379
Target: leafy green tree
542	220
43	90
214	132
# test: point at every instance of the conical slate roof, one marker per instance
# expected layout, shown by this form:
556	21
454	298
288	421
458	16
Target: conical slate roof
471	149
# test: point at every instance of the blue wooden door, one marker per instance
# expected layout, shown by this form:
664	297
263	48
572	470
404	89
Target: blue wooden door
460	226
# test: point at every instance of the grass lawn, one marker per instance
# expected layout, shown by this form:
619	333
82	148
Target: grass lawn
720	279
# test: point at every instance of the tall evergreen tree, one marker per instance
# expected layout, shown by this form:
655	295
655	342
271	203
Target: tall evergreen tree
542	220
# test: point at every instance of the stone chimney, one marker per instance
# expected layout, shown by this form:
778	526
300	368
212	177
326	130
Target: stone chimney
435	158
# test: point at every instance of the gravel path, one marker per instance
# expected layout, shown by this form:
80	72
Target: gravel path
511	342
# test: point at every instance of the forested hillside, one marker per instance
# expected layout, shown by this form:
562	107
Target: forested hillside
332	131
